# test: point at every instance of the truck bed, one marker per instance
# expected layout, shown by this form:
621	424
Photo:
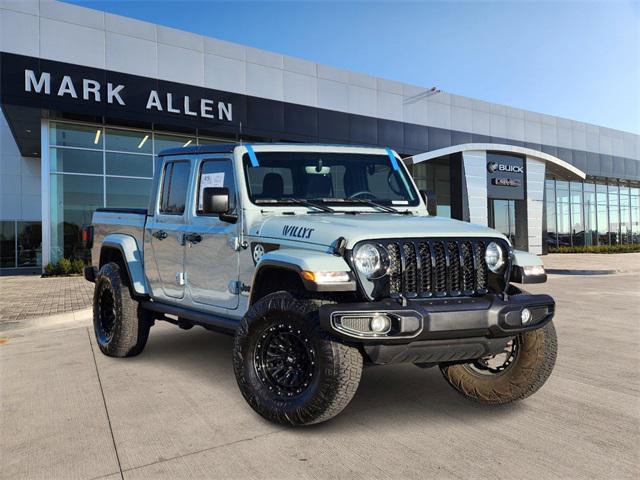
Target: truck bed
127	221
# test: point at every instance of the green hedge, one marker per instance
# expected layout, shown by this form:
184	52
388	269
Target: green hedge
597	249
64	267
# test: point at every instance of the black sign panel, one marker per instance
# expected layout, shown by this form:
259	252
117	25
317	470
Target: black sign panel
505	176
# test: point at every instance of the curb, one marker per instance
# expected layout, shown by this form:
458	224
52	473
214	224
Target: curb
53	321
562	271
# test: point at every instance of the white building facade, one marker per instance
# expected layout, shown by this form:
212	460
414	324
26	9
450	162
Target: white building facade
89	97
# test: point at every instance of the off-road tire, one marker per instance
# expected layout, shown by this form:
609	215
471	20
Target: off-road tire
129	327
336	373
529	371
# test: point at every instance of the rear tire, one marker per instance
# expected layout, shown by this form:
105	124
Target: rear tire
288	369
528	369
120	324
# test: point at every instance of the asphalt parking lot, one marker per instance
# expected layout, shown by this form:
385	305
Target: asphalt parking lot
175	411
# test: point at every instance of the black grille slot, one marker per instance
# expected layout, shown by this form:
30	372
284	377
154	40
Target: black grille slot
394	268
440	266
468	271
454	267
426	272
481	267
409	271
427	268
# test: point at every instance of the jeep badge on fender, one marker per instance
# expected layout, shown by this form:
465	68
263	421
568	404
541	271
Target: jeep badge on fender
319	260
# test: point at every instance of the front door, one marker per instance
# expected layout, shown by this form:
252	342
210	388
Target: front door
507	217
212	261
502	217
165	232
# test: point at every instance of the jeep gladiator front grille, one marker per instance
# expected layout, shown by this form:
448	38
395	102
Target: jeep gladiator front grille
437	268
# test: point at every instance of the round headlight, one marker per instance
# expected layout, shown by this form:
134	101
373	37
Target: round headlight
494	256
370	260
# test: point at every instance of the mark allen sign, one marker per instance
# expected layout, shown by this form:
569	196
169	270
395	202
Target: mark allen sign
90	90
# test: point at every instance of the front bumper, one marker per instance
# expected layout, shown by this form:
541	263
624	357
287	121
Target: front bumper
454	328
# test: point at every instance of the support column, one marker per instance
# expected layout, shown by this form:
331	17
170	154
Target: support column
45	192
474	164
535	202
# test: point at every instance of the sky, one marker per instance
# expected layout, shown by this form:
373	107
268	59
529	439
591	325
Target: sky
574	59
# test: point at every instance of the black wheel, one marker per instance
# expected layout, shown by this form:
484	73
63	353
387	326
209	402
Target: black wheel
121	326
287	368
517	372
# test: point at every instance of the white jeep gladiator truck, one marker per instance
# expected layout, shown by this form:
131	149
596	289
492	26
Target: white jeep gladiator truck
318	259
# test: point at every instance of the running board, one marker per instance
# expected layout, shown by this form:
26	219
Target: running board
207	320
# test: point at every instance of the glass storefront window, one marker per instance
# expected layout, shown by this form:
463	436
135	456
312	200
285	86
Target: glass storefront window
128	192
635	214
625	215
129	165
29	244
74	198
128	141
8	244
614	215
75	161
550	208
20	244
163	141
603	214
590	226
435	176
563	213
577	224
75	135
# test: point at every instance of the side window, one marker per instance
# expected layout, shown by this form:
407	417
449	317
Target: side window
175	182
216	173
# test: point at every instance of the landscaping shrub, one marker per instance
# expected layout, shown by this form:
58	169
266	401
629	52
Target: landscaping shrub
64	267
597	249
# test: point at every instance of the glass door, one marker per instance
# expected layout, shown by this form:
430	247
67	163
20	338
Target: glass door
502	217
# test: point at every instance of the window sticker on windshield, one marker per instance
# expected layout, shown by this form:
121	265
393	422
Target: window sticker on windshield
400	202
210	180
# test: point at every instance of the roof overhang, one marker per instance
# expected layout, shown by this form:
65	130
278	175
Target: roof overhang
555	166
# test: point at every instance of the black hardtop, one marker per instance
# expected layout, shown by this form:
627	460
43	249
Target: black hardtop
228	148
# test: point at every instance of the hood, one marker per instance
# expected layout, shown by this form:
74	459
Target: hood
323	229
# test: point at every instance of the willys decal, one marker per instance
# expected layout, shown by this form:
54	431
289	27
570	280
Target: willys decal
297	232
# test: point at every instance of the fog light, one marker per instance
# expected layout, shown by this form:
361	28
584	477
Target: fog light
380	324
525	316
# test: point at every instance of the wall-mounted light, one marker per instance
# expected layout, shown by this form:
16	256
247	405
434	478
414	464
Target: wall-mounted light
187	144
97	139
142	142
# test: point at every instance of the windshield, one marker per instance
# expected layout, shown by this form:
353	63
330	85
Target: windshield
328	178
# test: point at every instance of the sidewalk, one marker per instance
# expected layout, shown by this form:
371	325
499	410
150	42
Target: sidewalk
606	262
28	297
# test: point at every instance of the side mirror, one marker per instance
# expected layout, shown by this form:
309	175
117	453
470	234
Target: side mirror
430	200
215	201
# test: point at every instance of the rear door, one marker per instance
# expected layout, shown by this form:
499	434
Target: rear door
165	231
212	261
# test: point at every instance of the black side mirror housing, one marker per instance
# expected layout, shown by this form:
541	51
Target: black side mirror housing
215	201
430	200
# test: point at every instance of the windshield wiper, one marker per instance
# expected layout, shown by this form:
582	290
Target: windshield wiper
371	203
298	201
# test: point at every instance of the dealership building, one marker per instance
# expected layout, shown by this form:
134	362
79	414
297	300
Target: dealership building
88	98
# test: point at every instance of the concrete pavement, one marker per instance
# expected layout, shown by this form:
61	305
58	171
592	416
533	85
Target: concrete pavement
175	411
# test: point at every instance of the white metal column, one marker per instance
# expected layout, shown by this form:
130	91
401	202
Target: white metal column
535	202
475	175
45	191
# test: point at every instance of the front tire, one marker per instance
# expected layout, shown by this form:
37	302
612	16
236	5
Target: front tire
288	369
528	362
120	324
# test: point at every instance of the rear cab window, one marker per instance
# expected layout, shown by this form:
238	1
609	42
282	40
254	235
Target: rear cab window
175	185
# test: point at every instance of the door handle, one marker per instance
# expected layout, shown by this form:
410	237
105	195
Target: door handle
160	234
193	238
